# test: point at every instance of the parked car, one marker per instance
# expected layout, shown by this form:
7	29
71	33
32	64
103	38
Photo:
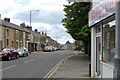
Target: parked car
9	53
55	48
23	52
47	49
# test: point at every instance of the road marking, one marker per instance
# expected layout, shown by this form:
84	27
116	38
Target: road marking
29	60
8	68
52	69
55	68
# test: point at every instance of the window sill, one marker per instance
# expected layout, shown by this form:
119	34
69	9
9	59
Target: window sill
109	64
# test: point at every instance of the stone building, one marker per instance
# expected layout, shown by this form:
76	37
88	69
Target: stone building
15	36
69	46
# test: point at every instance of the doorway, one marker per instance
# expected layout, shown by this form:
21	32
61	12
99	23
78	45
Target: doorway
98	55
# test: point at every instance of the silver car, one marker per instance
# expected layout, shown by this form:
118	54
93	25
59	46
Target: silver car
23	52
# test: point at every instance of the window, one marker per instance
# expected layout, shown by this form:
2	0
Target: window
20	44
7	32
109	42
7	42
23	34
17	33
98	29
12	43
17	45
0	44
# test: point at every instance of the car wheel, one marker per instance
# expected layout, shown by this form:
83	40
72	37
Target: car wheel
26	54
9	58
23	55
17	56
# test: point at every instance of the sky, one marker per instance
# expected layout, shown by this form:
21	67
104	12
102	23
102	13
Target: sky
47	19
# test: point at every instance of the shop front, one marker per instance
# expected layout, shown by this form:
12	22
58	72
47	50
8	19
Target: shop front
102	22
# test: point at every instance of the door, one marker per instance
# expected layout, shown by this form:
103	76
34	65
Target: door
98	53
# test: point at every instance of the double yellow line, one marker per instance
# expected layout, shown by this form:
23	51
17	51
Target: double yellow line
52	71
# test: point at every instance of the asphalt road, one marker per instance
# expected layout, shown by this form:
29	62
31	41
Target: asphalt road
36	65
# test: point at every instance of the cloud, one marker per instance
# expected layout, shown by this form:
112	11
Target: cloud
41	16
57	32
48	18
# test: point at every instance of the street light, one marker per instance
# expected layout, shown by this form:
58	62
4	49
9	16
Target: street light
30	27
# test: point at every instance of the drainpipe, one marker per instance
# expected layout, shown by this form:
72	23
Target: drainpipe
116	73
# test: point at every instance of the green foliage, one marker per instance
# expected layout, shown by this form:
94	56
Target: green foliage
76	20
76	23
78	45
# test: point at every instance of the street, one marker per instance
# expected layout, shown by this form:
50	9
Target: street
36	65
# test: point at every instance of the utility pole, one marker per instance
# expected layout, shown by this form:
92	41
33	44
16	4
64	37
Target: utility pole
31	27
30	31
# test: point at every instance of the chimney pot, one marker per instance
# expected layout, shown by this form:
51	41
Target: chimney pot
36	30
22	25
7	19
30	28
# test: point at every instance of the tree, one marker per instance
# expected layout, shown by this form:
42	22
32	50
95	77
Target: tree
76	22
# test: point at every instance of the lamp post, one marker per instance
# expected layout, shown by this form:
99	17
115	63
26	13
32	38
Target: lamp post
31	27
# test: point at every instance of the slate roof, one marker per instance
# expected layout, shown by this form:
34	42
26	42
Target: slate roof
14	26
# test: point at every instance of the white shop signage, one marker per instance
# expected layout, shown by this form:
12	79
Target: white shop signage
101	11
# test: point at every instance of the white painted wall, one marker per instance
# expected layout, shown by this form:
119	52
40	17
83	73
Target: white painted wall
107	71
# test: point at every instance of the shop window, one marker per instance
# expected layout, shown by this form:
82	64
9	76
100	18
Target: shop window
109	42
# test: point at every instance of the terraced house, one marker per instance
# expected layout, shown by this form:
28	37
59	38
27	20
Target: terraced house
0	34
15	36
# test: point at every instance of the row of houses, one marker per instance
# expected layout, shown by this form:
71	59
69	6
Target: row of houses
17	36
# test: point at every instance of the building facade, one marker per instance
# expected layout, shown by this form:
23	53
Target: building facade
102	20
0	34
15	36
68	46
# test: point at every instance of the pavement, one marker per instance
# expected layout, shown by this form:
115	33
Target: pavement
76	66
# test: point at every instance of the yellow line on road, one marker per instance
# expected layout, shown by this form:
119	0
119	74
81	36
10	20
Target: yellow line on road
55	68
52	69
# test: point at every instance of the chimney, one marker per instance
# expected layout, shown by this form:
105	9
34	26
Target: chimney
42	32
45	33
7	19
39	32
30	28
22	25
36	30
